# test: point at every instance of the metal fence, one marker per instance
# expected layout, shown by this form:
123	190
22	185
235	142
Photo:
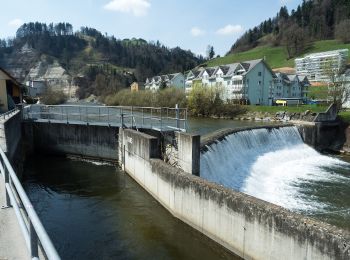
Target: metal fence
8	114
33	231
159	118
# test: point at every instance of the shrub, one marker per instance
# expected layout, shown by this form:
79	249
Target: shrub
51	97
163	98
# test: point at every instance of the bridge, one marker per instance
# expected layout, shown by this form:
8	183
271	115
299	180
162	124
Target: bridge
156	118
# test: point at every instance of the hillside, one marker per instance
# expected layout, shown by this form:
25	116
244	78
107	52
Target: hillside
277	57
312	20
98	64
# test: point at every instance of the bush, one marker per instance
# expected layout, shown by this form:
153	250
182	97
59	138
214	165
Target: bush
202	101
51	97
207	101
163	98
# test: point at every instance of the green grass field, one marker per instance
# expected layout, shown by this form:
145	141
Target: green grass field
292	109
345	116
276	57
319	92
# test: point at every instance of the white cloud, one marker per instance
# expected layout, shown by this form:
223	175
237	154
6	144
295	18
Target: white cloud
136	7
196	31
230	29
15	22
285	2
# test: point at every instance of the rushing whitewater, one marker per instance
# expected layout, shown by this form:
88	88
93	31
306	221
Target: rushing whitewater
274	165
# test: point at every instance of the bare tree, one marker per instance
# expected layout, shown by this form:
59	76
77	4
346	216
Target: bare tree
342	31
338	85
294	39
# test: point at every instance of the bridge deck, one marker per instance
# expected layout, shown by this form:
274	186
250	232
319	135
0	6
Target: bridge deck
12	243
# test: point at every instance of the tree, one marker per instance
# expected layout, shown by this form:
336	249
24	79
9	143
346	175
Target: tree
338	85
342	31
294	39
210	52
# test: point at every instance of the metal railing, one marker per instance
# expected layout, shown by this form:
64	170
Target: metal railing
8	113
32	229
159	118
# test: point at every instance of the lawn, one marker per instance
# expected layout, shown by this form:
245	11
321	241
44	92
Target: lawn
345	116
318	92
292	109
276	57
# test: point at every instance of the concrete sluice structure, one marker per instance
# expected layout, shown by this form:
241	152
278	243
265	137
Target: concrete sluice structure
247	226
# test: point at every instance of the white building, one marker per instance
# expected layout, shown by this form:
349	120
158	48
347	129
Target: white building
247	82
291	88
176	80
250	82
36	88
314	65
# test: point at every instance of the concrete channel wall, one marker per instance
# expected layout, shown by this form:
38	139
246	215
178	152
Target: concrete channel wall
97	142
249	227
11	139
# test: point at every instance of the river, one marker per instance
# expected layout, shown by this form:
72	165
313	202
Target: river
94	211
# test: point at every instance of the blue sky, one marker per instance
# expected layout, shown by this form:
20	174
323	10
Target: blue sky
190	24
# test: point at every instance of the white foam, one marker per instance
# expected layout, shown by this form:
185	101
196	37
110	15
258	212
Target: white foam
270	165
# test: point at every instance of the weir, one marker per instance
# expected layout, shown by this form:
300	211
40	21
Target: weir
215	203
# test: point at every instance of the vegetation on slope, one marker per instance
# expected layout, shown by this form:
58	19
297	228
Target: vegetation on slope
277	57
97	57
312	20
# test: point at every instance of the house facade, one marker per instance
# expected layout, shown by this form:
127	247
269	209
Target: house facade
291	88
36	88
249	82
10	91
176	80
136	86
315	65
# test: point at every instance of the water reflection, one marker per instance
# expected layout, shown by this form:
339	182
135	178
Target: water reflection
97	212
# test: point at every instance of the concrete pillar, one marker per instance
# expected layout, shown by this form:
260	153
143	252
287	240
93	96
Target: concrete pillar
188	152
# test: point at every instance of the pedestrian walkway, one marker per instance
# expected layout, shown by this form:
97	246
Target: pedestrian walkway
12	243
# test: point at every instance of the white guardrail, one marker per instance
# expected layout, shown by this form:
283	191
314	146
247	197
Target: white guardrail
32	229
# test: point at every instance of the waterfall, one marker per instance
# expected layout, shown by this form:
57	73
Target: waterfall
273	165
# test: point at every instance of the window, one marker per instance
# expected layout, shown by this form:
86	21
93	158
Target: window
259	73
259	83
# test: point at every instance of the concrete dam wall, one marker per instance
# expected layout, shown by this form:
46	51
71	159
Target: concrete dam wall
97	142
249	227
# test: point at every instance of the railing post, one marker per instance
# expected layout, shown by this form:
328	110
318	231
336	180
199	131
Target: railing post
7	181
132	116
108	116
177	116
80	113
161	123
33	241
86	114
122	119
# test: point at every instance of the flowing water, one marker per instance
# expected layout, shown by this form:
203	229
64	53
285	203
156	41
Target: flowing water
276	166
94	211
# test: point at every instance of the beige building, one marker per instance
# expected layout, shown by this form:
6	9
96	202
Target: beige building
10	91
136	86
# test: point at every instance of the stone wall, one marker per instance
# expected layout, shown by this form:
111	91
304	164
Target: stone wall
249	227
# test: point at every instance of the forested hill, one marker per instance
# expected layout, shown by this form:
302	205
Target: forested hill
313	20
102	63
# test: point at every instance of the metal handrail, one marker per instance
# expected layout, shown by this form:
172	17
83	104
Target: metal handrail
8	113
31	227
168	118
